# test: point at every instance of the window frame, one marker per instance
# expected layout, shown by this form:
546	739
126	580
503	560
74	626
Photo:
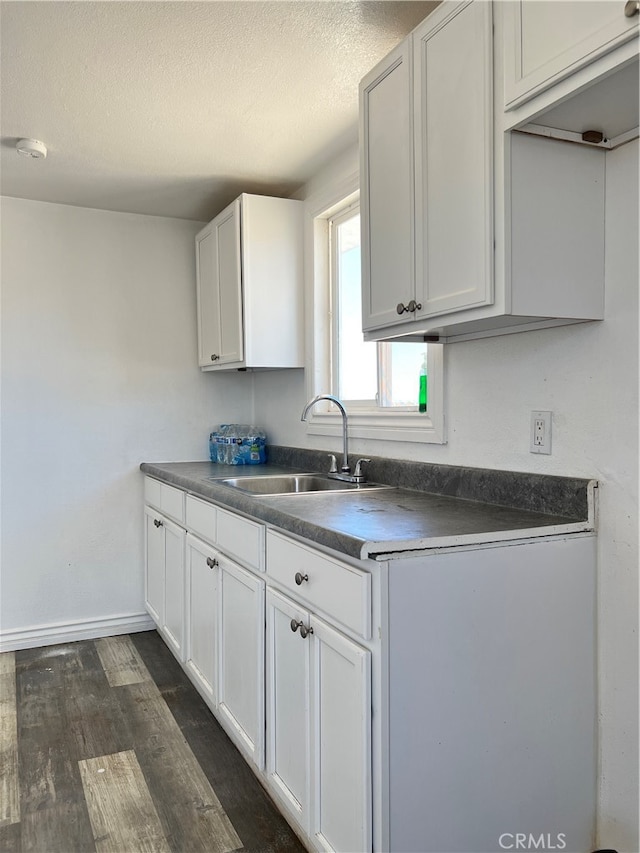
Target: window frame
391	424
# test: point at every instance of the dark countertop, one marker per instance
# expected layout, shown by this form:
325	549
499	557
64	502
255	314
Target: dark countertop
392	521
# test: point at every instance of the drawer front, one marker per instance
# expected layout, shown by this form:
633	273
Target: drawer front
152	492
172	502
167	499
201	519
340	591
241	539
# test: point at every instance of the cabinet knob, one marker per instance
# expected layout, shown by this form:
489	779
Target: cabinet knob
212	562
304	631
631	8
409	308
215	357
295	625
157	522
299	578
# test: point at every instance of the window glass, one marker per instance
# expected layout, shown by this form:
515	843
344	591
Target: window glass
385	375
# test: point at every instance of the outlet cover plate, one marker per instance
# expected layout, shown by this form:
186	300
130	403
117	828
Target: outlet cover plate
540	441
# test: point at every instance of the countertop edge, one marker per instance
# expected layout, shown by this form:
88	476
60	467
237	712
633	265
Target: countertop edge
353	546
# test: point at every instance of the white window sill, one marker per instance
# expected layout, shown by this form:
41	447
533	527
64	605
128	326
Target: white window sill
382	426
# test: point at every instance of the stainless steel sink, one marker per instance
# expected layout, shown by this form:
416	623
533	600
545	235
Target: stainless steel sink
292	484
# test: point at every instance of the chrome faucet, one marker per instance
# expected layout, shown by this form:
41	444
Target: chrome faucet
345	470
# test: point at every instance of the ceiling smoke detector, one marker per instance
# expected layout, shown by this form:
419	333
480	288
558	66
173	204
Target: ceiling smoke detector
32	148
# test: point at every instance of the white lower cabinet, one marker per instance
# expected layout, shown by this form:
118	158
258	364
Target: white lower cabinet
241	657
209	609
432	702
154	564
288	707
202	616
318	726
341	751
225	643
164	577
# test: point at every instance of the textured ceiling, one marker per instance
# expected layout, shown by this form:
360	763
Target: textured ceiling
174	108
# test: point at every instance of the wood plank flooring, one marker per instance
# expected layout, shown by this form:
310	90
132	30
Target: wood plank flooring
9	793
106	746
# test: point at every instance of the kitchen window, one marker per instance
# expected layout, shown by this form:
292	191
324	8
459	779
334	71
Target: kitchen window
379	383
366	375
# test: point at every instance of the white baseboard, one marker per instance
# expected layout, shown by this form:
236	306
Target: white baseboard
68	632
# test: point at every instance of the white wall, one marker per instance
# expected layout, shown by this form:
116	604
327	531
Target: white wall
99	373
587	375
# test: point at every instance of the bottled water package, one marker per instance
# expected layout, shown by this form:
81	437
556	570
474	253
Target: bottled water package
238	444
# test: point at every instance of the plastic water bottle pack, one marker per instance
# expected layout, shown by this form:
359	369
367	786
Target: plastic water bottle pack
238	444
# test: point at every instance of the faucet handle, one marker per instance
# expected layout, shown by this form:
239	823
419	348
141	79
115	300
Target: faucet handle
333	464
358	468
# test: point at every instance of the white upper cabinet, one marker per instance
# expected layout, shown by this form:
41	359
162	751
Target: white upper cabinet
546	42
220	290
506	232
426	163
387	188
453	86
249	278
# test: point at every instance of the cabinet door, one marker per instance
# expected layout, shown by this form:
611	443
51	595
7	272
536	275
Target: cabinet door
173	623
341	752
288	662
219	290
386	187
227	229
241	657
154	564
546	42
453	88
207	297
202	615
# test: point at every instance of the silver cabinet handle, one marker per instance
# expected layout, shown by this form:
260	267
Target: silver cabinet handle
409	308
295	625
212	562
631	8
215	357
300	578
158	523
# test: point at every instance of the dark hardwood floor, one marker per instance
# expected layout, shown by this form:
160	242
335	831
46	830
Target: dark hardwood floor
106	746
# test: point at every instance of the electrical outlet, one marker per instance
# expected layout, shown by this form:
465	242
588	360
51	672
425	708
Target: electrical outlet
540	432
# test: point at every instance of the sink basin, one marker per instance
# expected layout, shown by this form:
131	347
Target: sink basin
292	484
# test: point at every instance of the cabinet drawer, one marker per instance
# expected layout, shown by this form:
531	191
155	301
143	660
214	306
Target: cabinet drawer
201	518
338	590
167	499
241	538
